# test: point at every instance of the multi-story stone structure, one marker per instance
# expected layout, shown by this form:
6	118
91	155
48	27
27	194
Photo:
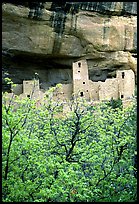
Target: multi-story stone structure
122	86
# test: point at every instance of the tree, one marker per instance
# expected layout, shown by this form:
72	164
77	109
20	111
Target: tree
85	154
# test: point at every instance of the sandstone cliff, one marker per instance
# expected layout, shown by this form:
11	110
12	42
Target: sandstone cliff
104	33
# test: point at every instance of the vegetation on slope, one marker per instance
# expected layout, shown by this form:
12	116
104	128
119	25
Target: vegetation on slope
86	154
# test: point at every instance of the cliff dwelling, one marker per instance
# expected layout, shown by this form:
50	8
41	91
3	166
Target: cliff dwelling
99	33
122	85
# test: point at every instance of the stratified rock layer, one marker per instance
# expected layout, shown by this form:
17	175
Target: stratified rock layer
104	33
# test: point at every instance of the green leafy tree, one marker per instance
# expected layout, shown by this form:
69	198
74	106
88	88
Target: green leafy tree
84	154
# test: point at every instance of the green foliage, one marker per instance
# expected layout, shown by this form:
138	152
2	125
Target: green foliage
113	103
86	154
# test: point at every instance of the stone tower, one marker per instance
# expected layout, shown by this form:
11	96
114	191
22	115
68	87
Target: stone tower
126	83
80	79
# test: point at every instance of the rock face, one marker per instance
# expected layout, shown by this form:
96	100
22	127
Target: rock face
103	33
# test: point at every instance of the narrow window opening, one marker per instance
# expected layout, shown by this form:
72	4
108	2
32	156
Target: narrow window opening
122	96
123	75
28	96
78	71
81	93
134	55
83	82
86	90
79	64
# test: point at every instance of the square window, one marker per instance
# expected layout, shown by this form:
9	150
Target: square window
83	82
